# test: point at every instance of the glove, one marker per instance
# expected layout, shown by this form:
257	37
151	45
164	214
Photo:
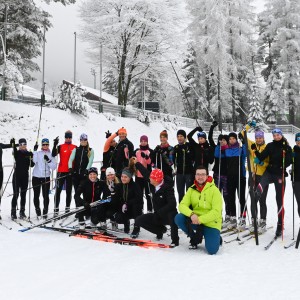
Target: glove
124	208
199	128
241	137
30	154
12	141
215	124
252	123
46	158
55	141
253	147
35	146
71	171
143	155
107	134
258	162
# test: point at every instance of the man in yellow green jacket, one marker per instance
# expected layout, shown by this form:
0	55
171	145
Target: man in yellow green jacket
201	212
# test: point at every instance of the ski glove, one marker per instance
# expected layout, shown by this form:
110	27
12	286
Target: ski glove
12	142
35	146
71	171
199	128
124	208
55	141
253	147
252	123
107	134
241	137
215	124
258	162
46	158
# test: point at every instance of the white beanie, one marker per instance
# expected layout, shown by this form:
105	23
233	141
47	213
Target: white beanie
110	171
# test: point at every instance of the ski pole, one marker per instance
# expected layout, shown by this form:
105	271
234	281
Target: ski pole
7	183
282	193
293	186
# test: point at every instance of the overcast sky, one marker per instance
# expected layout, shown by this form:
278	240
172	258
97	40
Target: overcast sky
59	62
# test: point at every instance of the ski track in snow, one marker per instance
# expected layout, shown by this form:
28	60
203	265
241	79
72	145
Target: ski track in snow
41	264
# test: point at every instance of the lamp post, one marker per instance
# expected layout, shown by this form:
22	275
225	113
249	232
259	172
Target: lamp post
43	72
75	57
100	76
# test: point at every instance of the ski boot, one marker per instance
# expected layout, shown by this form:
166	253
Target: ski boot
226	222
13	214
22	214
262	226
135	232
232	224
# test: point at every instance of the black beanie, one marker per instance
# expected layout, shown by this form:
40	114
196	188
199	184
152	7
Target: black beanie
223	136
22	141
181	132
232	134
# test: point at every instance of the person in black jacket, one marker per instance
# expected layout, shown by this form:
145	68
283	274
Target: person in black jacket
203	153
124	150
164	204
280	157
183	162
296	170
23	159
127	202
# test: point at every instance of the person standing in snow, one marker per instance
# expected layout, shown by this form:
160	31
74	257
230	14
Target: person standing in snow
201	212
63	175
44	163
296	170
183	163
80	161
280	157
143	155
24	160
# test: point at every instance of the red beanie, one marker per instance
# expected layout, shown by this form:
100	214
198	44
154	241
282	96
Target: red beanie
164	133
157	175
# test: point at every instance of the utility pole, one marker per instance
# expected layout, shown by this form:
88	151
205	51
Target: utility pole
75	58
43	74
100	76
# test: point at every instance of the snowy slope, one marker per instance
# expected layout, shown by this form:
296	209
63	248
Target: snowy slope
49	265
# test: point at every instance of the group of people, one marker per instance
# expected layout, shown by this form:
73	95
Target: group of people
127	174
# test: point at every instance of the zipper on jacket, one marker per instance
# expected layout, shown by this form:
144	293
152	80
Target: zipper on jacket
81	160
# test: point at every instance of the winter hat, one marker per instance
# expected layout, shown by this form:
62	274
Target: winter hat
68	134
181	132
110	171
127	172
93	170
83	137
297	137
232	134
201	134
122	130
277	130
223	136
45	141
22	141
144	138
259	134
157	175
164	133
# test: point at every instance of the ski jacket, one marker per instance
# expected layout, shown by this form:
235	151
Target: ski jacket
108	154
235	158
24	160
3	146
207	204
42	168
296	159
82	161
122	154
183	159
257	169
129	194
163	159
203	153
64	151
90	191
164	201
274	151
146	160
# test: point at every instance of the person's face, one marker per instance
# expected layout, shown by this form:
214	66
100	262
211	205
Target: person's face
113	143
201	176
144	143
122	136
232	140
125	179
45	147
298	143
277	137
68	140
223	142
153	182
92	177
201	140
111	177
83	142
259	140
163	139
180	139
23	146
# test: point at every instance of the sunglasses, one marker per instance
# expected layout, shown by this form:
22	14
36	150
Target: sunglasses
45	144
84	140
22	144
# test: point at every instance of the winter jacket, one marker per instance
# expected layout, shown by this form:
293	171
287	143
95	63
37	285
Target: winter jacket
258	169
274	151
108	154
122	154
235	158
3	146
164	201
64	151
129	194
183	158
42	168
207	204
82	160
146	160
162	158
203	153
296	159
24	160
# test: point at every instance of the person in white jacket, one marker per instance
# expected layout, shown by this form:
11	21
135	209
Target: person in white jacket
44	163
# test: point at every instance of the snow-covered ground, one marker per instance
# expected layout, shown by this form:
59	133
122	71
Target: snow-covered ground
49	265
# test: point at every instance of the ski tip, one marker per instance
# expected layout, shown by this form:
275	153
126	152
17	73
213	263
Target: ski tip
24	229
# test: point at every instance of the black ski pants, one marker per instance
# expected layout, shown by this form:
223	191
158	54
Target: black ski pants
223	187
183	182
236	186
262	200
37	184
77	179
266	179
60	180
153	223
20	185
297	194
145	186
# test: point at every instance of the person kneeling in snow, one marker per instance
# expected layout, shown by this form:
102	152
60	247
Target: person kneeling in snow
201	212
164	204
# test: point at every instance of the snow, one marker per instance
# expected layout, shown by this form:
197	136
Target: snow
28	91
41	264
